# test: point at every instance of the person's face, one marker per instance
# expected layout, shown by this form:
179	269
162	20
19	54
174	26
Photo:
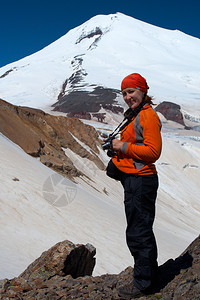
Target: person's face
132	97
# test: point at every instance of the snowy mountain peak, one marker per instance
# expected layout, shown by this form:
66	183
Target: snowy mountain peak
84	68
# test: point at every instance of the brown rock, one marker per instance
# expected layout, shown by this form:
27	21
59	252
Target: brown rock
114	108
43	135
171	111
65	258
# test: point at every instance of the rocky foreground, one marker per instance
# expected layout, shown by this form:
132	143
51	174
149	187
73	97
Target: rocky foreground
65	272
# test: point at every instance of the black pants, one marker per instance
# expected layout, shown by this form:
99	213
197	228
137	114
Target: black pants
140	196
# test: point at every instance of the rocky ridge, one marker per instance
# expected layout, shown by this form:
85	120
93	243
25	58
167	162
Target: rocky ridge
45	136
65	272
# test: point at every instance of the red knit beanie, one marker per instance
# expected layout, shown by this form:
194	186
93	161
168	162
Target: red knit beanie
136	81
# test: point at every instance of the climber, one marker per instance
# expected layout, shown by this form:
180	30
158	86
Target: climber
137	150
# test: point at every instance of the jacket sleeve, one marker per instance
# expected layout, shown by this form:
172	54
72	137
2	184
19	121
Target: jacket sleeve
150	150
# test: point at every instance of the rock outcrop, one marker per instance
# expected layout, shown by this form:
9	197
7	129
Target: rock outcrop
171	111
64	272
80	101
43	135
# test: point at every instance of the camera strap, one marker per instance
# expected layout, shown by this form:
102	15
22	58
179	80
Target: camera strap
128	115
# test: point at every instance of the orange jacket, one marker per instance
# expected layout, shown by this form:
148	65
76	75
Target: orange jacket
142	144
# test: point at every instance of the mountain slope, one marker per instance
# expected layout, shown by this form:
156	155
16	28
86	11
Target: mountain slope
45	136
40	208
30	221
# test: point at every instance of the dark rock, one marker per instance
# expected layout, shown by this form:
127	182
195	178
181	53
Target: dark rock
76	96
171	111
97	31
114	108
8	72
56	275
81	101
80	115
100	116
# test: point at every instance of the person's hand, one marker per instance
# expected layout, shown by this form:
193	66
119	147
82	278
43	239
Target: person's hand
117	145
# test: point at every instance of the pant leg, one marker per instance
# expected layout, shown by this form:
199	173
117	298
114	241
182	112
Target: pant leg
140	196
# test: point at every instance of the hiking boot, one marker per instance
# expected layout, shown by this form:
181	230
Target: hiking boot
129	291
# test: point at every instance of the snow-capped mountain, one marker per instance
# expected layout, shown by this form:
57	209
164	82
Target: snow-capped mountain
89	62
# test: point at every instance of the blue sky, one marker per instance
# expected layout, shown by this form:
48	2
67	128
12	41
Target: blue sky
27	26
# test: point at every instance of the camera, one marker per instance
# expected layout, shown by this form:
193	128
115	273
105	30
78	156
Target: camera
107	145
